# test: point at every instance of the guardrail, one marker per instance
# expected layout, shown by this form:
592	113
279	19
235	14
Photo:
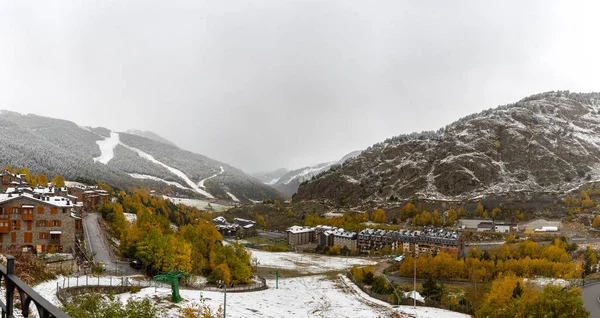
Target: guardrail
26	294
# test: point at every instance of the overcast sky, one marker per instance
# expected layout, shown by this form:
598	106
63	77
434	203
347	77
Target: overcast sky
266	84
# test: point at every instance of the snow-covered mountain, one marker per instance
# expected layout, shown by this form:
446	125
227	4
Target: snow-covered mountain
54	146
150	135
288	182
270	177
544	144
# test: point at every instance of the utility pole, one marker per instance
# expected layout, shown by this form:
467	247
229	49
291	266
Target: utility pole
415	280
276	279
224	298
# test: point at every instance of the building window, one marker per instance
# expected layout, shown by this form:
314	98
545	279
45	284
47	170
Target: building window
55	222
14	224
15	210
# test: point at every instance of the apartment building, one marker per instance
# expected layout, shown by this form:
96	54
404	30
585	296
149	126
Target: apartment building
89	196
11	180
429	241
345	238
38	223
298	235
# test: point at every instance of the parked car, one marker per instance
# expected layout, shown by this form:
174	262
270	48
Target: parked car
137	264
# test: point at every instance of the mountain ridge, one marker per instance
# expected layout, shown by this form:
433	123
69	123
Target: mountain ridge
56	146
548	142
288	182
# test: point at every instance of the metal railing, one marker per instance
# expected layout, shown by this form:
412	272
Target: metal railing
260	284
26	294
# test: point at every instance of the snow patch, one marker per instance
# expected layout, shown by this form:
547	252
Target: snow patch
107	148
307	263
273	181
130	217
201	183
148	177
233	197
200	204
176	172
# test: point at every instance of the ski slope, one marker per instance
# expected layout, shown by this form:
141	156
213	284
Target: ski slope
148	177
176	172
107	148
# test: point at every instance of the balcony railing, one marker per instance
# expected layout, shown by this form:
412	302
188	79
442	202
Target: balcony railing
28	217
26	294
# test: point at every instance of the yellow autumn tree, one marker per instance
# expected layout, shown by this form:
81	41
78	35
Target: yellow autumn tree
58	181
479	209
596	222
42	180
378	216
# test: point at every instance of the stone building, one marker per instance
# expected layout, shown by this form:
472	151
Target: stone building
89	196
38	223
11	180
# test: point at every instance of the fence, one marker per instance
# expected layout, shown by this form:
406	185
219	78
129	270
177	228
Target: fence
261	284
104	281
123	284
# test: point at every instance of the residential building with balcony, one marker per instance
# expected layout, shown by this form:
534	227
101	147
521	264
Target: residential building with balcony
428	241
38	223
298	235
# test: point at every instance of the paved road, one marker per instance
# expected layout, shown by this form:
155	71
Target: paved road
590	299
99	247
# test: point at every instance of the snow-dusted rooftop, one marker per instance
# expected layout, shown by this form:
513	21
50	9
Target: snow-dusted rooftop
300	229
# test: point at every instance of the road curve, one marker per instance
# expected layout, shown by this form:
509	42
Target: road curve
590	299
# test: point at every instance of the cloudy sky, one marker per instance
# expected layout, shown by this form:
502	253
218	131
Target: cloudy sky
272	83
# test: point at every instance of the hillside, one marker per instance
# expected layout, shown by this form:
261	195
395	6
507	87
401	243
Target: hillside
544	144
287	182
54	146
150	135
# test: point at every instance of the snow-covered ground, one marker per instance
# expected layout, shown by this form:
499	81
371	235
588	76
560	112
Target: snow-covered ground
201	183
307	263
130	217
310	296
543	281
145	176
176	172
107	148
200	204
233	197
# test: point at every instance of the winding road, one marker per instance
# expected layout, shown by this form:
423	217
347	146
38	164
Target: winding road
96	241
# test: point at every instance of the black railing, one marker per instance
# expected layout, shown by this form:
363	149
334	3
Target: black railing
26	294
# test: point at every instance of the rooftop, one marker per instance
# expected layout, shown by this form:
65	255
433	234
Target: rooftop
300	229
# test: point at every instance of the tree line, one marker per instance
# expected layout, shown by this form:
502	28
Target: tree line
525	259
197	247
